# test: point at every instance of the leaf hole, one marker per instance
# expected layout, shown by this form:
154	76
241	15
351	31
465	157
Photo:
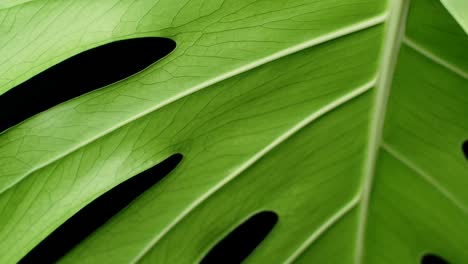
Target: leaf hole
80	74
432	259
95	214
243	240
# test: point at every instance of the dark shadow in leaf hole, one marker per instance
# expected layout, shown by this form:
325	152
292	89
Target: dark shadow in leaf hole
432	259
465	149
243	240
80	74
95	214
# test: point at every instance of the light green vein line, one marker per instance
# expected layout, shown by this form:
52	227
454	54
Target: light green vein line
294	49
322	111
410	43
424	175
395	29
4	4
323	228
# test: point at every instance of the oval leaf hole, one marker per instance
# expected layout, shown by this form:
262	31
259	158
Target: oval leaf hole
80	74
432	259
236	246
465	149
95	214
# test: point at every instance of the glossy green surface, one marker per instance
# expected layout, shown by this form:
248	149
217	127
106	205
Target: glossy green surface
275	105
459	10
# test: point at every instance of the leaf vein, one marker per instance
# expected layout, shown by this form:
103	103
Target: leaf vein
314	116
425	176
280	54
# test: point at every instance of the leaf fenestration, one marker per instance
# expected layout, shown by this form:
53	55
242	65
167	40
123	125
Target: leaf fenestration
80	74
96	213
241	241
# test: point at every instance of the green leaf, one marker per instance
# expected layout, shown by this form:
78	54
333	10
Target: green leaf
459	10
345	117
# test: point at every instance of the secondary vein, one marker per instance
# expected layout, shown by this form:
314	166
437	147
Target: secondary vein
424	175
330	222
294	49
410	43
280	54
317	114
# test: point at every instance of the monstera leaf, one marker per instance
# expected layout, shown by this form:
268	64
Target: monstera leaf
344	119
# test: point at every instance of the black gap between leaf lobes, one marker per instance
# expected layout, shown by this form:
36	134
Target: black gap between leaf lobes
242	241
465	149
95	214
432	259
80	74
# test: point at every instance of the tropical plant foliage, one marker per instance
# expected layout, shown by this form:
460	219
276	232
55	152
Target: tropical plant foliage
344	117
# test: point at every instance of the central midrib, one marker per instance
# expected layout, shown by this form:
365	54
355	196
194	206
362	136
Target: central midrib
395	31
